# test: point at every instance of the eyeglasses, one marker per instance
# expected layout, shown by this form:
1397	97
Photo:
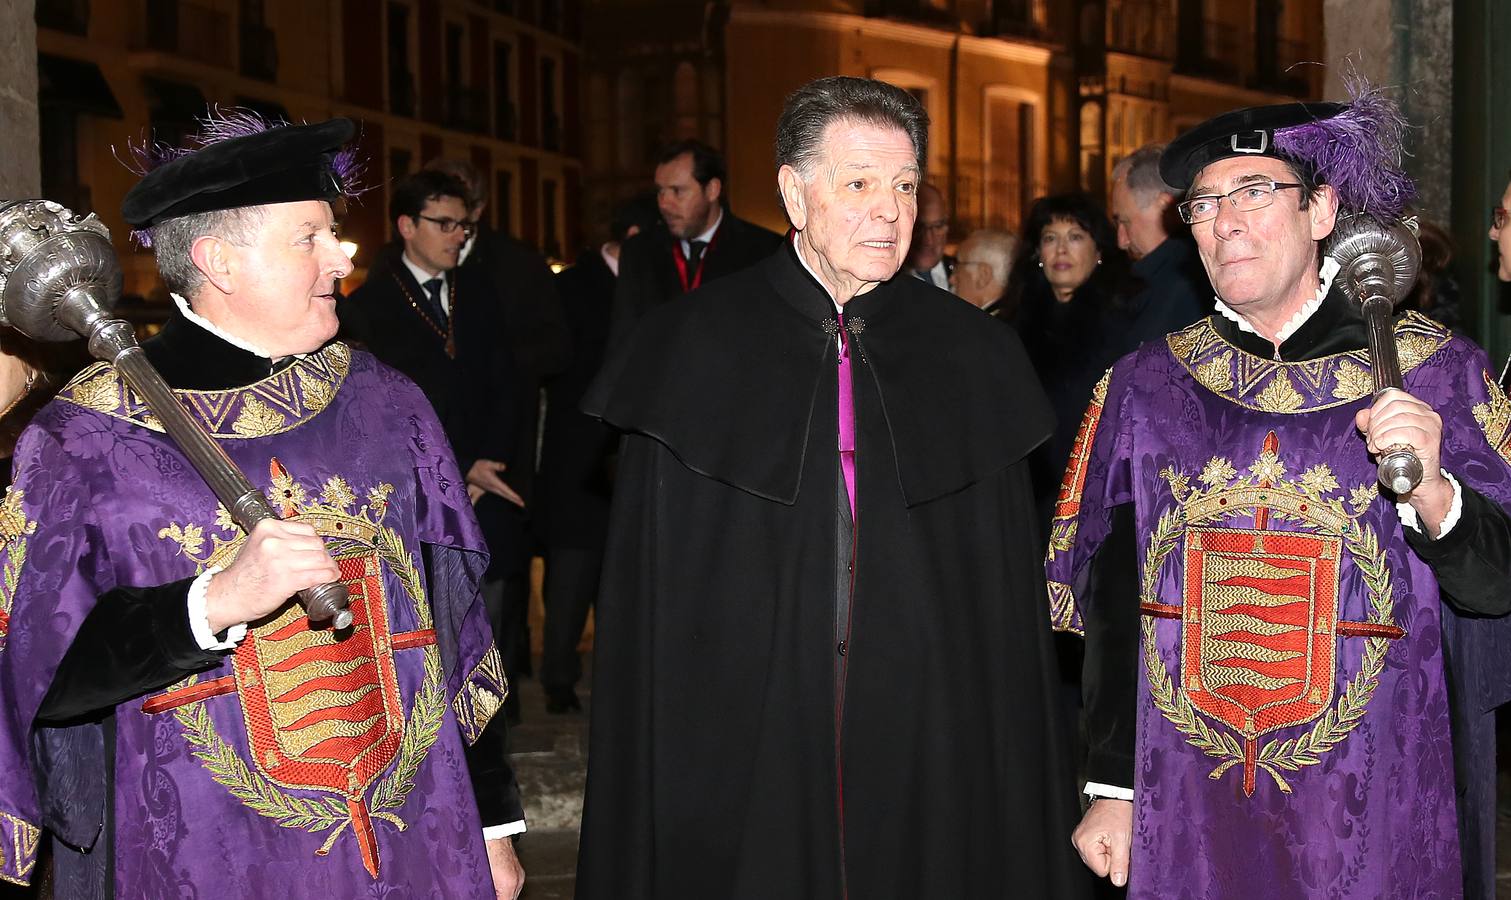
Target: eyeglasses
1256	195
1498	218
941	225
449	226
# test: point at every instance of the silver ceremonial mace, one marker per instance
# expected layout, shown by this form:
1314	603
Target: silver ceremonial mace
1378	265
59	279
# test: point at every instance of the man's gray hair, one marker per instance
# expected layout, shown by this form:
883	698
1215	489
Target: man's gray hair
173	242
994	247
1140	169
815	106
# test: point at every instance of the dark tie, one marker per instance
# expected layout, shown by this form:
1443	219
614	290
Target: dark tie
695	253
433	289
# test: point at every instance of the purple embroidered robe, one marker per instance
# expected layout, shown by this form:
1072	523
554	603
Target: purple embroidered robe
1293	725
302	765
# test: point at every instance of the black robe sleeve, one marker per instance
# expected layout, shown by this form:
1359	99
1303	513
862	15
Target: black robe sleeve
1109	685
138	640
134	641
493	781
1472	563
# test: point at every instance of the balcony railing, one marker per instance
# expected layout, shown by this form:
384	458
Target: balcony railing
259	52
1220	54
505	120
1138	27
550	131
401	99
184	29
1281	67
1021	18
466	109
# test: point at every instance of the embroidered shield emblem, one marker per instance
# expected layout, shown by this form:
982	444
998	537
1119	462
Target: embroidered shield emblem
320	712
1258	645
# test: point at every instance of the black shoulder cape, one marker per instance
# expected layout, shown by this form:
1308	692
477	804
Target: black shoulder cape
762	726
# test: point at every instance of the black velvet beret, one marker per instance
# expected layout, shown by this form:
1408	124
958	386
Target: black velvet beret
1242	132
280	165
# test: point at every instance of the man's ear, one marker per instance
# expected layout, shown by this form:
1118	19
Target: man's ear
713	190
406	227
213	257
1324	211
790	184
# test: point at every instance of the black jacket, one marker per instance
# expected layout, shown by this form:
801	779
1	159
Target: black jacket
572	495
476	393
648	274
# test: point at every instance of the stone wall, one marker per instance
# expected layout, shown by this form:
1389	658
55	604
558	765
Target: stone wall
1405	46
20	165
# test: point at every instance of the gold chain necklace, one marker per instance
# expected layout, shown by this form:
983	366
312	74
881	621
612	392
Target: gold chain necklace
449	335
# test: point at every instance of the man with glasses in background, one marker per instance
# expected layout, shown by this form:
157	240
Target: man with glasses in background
927	260
1288	668
442	325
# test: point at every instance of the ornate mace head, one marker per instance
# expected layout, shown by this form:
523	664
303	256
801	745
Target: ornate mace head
1375	258
59	275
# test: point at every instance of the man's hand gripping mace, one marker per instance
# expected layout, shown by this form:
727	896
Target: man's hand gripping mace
59	279
1378	266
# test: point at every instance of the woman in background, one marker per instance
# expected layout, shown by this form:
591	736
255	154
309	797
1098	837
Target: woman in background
1066	290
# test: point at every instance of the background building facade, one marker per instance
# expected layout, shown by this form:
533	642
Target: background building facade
1026	97
495	83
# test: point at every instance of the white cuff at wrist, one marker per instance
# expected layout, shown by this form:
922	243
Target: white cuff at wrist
1410	520
1107	792
508	829
199	616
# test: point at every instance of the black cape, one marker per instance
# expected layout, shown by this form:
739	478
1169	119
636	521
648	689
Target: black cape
716	768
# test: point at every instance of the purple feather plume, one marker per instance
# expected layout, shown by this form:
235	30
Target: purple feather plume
224	125
1358	152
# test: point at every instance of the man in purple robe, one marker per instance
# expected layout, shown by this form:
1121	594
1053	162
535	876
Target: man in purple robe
172	719
1283	660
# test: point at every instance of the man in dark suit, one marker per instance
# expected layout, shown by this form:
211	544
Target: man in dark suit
927	260
535	327
441	324
572	503
1175	288
702	240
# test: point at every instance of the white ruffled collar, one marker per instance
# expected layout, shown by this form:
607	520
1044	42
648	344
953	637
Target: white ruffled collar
233	340
1326	274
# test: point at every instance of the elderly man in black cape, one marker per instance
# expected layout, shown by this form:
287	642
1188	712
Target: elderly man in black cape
821	672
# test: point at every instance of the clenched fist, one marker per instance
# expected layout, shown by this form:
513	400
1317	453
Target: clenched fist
279	560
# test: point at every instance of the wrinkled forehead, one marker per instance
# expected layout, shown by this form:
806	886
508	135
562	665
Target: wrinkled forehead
1226	174
857	144
286	217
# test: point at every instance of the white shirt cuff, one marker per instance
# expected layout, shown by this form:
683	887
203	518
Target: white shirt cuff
1107	791
498	832
1455	511
199	617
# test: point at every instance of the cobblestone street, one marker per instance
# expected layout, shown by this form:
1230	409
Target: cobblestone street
549	753
550	757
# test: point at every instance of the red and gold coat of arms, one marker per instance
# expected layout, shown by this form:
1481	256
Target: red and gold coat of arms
323	714
1260	613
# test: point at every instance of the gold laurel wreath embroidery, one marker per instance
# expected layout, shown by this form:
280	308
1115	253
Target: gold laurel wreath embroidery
427	715
1293	754
15	529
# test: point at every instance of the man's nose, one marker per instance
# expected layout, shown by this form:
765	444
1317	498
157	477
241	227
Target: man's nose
1228	221
338	263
